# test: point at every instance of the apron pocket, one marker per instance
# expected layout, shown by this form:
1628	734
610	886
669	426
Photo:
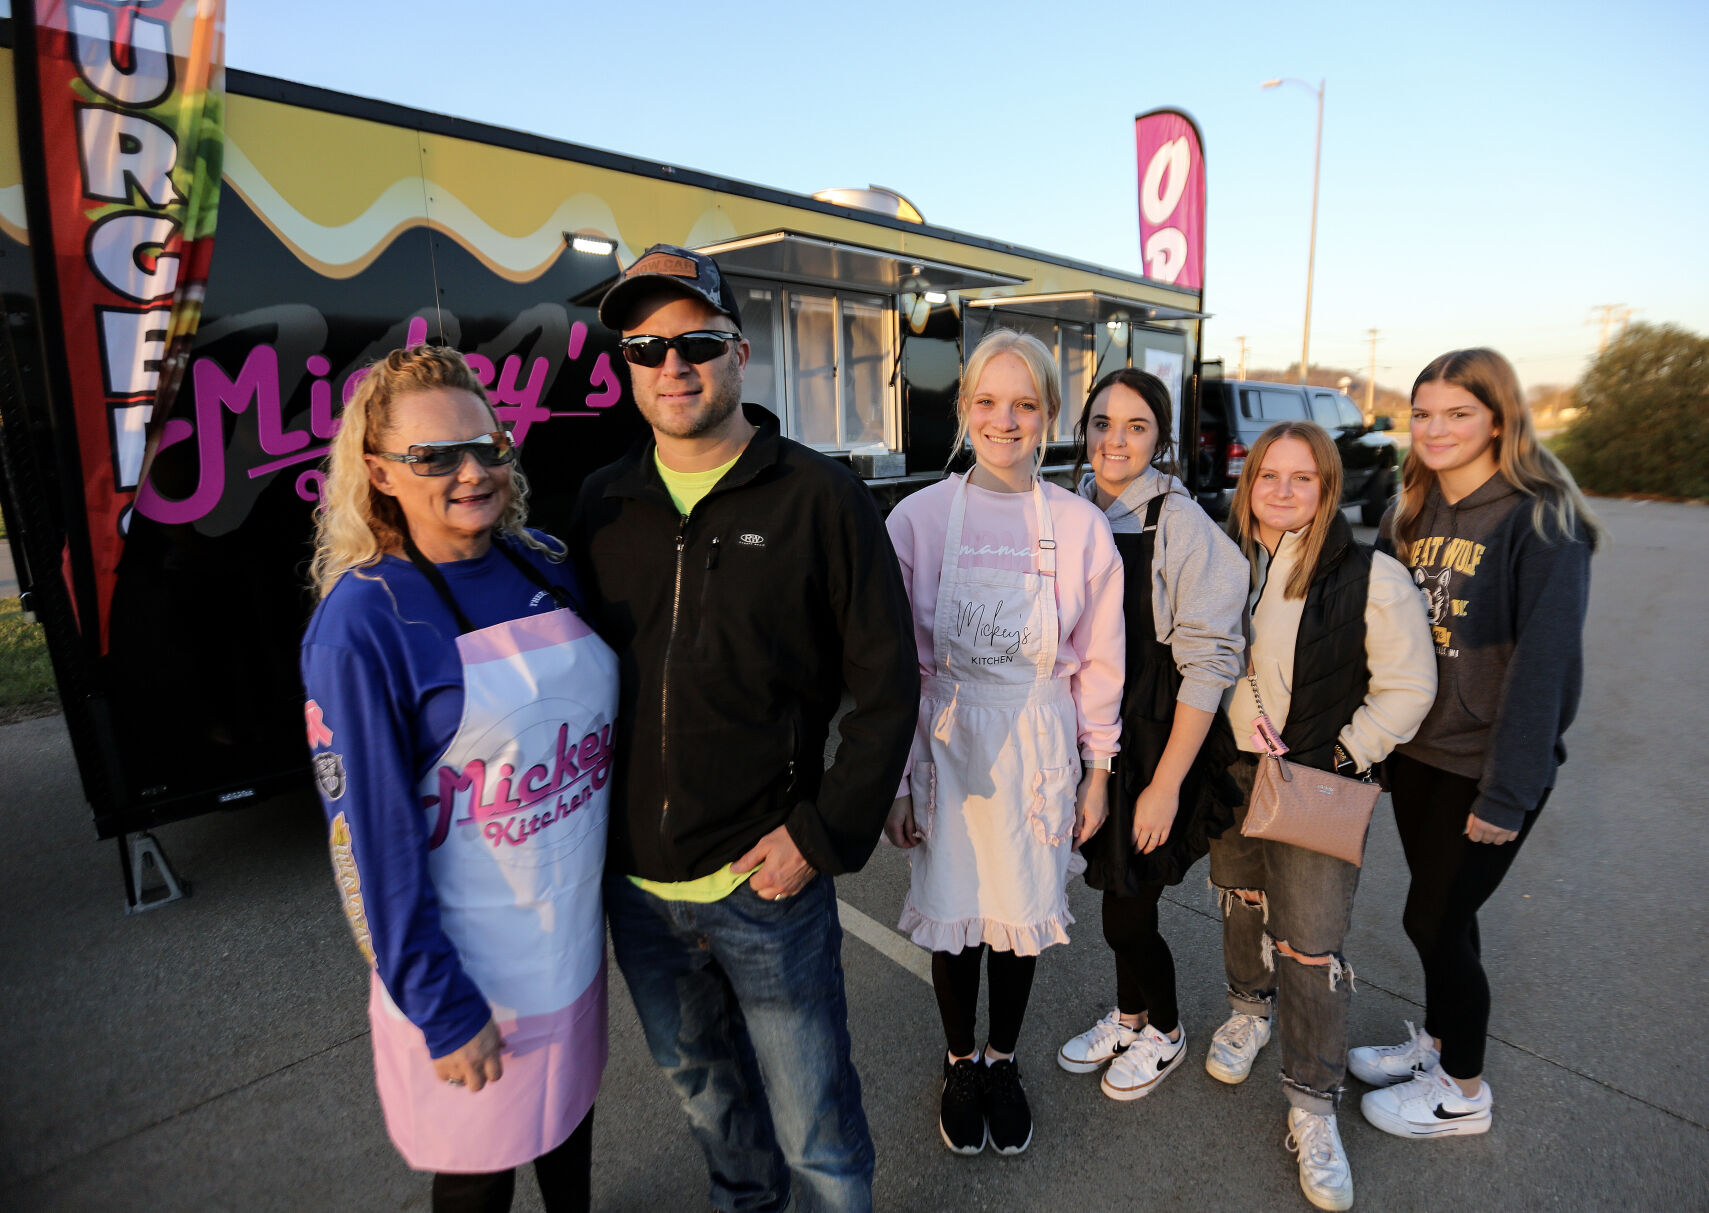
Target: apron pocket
1052	813
923	787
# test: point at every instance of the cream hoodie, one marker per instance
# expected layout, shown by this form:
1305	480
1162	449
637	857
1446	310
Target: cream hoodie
1398	650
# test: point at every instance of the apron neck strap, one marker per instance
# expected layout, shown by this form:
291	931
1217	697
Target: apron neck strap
436	579
565	600
1046	535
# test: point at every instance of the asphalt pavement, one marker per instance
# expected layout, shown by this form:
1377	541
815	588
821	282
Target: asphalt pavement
213	1054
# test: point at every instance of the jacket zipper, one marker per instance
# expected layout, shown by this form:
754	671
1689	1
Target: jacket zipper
665	681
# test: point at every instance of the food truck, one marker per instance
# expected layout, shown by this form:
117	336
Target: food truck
160	469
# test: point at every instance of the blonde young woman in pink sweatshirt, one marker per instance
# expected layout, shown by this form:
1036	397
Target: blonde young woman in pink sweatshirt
1016	589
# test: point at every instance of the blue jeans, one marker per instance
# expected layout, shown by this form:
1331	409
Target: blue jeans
1305	902
743	1007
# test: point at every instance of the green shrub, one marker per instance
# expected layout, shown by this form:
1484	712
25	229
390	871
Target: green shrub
1645	424
27	686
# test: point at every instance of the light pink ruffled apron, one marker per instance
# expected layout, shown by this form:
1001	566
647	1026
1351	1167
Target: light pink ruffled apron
996	764
516	810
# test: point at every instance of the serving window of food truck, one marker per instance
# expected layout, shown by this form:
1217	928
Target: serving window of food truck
824	319
1093	334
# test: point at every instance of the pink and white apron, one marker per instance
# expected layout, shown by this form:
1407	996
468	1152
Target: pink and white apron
996	764
516	808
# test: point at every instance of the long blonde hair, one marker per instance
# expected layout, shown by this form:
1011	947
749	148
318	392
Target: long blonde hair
1040	364
1524	462
1240	521
356	523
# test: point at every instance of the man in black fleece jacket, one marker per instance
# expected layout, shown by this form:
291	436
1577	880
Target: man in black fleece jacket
746	583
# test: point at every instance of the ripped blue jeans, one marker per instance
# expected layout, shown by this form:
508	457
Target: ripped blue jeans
1304	904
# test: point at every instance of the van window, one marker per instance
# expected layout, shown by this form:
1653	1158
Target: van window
1250	408
1281	405
1323	410
1351	417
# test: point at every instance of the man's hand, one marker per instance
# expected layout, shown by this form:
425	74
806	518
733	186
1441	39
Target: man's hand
899	827
1154	816
785	872
1479	830
475	1064
1091	804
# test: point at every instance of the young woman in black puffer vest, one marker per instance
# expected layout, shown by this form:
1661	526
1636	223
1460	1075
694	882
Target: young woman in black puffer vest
1341	669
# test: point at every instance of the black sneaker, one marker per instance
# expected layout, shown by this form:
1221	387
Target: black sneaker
1009	1119
961	1120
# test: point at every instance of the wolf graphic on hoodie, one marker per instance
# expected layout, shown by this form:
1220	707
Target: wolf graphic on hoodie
1507	605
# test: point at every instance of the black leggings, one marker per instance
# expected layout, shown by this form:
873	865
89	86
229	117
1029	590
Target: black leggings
1452	877
1145	969
955	978
565	1175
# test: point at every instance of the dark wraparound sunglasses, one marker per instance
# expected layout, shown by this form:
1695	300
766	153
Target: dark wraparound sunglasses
442	458
697	347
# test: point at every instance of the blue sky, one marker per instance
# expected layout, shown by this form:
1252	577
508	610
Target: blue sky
1491	171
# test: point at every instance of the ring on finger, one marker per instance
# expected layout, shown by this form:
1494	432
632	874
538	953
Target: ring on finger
455	1082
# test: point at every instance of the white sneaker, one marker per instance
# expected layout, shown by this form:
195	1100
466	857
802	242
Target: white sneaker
1144	1064
1431	1105
1103	1041
1235	1046
1325	1177
1385	1065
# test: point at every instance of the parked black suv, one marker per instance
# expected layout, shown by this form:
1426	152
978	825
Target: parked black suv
1233	412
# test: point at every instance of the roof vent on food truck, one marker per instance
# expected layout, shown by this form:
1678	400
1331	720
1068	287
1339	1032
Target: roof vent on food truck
874	198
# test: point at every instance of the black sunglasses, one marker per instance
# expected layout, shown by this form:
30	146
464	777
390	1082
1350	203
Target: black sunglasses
442	458
697	347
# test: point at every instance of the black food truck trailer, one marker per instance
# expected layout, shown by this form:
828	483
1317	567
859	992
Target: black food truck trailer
159	475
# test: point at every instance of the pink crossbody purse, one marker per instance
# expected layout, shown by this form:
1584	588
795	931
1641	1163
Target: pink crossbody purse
1301	805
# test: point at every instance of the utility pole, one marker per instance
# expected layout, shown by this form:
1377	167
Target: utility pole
1311	252
1240	368
1371	382
1611	314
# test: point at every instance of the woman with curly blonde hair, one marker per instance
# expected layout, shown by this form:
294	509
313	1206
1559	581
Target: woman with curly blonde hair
459	717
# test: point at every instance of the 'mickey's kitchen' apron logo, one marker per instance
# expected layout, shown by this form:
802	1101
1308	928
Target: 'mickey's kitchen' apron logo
499	815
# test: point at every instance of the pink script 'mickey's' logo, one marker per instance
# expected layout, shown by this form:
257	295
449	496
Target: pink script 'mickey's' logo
498	815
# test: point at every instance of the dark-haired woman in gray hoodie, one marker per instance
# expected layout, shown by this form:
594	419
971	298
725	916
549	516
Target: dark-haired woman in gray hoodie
1499	538
1170	794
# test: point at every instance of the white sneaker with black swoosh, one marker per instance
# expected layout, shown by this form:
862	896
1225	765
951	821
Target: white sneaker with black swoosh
1143	1064
1430	1105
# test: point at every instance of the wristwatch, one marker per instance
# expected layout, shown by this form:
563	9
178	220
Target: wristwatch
1100	764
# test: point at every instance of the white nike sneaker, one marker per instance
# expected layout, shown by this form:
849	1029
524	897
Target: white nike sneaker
1144	1064
1235	1046
1430	1105
1102	1042
1325	1176
1385	1065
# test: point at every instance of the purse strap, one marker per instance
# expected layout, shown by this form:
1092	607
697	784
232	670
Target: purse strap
1252	679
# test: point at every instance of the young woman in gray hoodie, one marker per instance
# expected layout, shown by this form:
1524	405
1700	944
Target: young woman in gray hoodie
1499	538
1185	589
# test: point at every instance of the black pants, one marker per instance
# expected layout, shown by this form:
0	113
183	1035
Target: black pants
564	1174
1145	969
1452	877
955	978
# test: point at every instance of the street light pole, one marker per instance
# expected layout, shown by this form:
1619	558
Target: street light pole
1311	254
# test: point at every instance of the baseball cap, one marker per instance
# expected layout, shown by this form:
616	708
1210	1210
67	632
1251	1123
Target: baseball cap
671	267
